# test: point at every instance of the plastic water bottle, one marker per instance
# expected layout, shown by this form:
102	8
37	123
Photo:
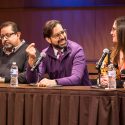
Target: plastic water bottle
14	75
111	76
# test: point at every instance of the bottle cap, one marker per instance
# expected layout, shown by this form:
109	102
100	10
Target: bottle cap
14	63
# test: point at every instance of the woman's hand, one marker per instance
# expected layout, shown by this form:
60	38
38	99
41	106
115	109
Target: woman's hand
103	80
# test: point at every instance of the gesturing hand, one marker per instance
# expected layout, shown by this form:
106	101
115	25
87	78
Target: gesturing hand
31	51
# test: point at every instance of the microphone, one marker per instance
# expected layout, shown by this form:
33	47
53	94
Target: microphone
40	58
99	63
122	73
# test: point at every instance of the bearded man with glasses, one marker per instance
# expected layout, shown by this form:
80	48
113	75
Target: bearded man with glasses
12	50
69	69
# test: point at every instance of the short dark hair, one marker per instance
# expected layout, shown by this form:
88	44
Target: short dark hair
47	30
15	27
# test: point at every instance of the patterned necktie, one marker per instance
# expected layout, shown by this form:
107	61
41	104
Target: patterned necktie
59	55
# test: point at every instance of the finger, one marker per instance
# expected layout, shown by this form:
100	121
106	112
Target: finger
37	84
32	45
41	84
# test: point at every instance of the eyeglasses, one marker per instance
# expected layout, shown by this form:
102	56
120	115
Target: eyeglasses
8	35
57	35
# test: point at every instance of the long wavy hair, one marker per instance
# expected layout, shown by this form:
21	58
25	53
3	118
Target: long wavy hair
120	45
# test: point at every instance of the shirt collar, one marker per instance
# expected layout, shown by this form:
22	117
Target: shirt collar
56	51
17	47
14	49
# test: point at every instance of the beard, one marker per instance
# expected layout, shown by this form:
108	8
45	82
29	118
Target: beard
58	46
8	46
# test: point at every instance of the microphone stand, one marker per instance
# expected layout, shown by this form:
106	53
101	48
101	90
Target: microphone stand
98	67
99	77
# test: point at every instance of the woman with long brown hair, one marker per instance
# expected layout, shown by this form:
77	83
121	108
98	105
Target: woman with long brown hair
117	56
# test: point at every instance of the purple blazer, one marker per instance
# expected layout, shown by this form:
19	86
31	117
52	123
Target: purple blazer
71	70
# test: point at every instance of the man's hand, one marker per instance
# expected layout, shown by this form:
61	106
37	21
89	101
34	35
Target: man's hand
2	79
46	83
31	51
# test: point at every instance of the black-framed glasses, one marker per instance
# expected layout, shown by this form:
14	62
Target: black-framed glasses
57	35
8	35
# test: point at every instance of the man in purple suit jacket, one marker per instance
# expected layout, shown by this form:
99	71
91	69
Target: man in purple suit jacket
70	69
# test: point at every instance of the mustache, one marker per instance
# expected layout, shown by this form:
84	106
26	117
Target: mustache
62	39
5	42
7	45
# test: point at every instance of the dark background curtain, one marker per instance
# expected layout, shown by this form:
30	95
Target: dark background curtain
88	22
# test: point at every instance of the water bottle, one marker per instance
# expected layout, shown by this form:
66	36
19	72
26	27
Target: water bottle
14	75
111	76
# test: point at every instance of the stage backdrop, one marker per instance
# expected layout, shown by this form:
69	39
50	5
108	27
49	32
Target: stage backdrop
88	22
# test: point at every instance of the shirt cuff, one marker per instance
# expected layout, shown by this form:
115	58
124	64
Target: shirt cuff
2	79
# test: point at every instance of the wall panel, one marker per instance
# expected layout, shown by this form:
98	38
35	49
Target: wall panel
89	26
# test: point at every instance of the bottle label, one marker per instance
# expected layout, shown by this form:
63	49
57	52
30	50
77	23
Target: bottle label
112	79
112	73
14	71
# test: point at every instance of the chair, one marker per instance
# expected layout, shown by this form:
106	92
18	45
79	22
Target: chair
93	72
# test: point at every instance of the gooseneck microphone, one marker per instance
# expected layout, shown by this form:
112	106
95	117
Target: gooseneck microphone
99	63
122	73
40	58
